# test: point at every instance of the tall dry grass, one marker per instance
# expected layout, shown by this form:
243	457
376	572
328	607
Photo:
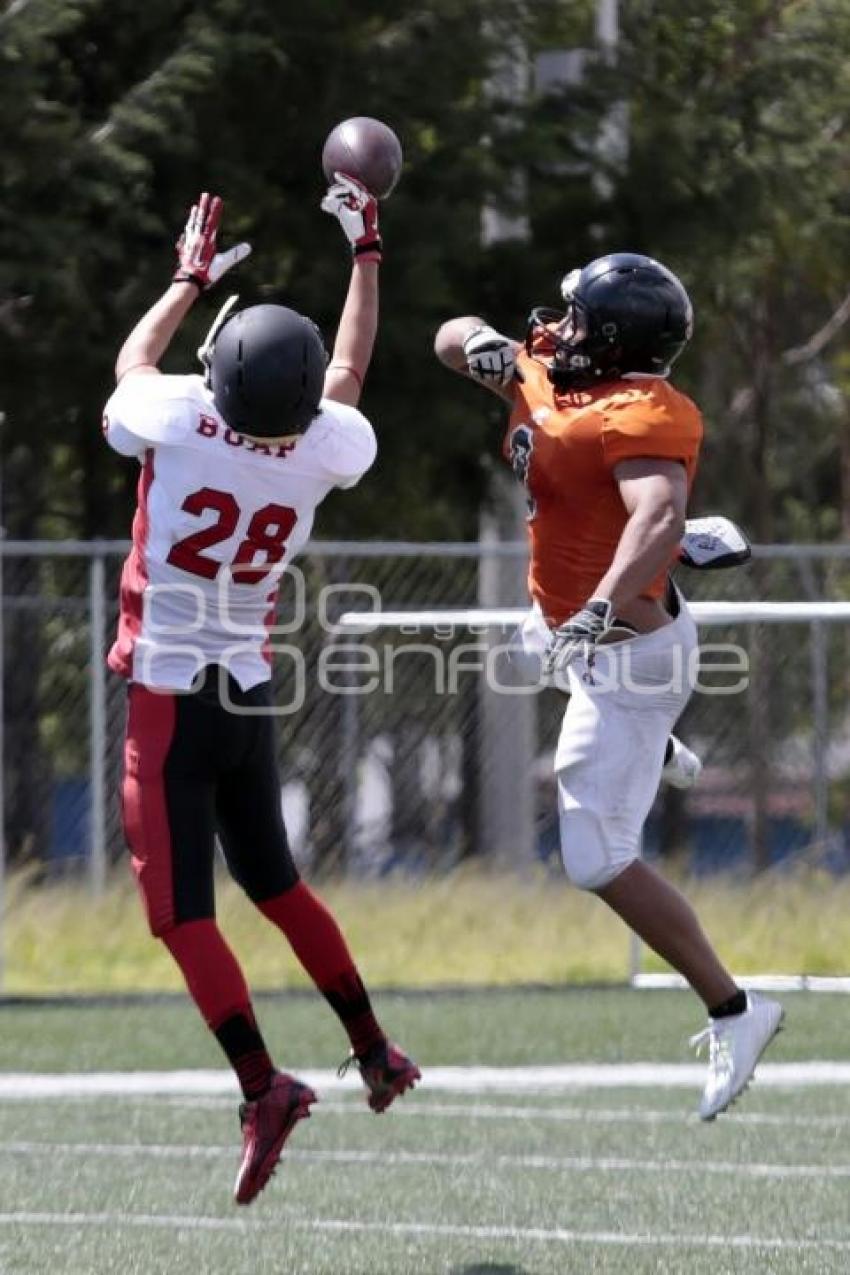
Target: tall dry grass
470	927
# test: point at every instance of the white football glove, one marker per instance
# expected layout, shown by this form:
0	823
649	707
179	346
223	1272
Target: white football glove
356	210
197	259
490	357
578	636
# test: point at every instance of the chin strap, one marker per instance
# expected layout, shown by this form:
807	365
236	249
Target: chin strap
585	378
205	350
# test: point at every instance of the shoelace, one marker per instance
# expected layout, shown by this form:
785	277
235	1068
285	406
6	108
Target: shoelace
362	1064
701	1039
716	1038
344	1067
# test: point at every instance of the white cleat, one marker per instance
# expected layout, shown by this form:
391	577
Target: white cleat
735	1045
684	767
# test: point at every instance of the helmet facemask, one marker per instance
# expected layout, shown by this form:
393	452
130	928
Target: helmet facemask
205	349
561	340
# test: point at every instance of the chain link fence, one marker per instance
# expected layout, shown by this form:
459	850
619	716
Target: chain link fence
394	750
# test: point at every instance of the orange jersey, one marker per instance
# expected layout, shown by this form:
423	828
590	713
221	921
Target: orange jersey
564	447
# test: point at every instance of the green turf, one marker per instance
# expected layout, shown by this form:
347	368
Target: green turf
627	1177
445	1184
508	1027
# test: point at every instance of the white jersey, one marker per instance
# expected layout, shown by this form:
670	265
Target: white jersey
218	519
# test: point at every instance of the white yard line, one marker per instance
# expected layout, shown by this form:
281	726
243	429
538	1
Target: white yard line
755	982
394	1159
471	1080
424	1109
427	1110
515	1234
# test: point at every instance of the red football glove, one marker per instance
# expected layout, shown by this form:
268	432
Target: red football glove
199	263
357	212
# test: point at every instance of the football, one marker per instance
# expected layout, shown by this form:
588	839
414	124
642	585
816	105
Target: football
366	149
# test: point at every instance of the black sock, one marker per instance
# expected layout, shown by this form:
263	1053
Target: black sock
668	752
246	1051
349	1000
734	1005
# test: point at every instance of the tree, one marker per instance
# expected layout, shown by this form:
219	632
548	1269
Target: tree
735	114
147	108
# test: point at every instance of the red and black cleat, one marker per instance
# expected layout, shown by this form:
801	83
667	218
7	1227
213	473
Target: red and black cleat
266	1124
386	1072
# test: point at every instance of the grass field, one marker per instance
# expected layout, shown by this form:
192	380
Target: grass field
541	1178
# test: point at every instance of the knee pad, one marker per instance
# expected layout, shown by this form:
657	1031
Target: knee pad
589	859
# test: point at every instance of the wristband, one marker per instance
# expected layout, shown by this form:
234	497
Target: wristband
373	247
183	276
479	327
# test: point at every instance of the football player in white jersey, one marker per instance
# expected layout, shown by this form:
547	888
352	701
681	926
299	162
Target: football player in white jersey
233	465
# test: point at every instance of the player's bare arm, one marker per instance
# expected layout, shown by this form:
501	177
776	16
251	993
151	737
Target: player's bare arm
355	337
655	494
469	345
199	266
152	335
357	212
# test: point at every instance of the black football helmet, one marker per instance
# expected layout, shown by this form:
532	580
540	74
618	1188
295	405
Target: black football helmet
624	313
266	368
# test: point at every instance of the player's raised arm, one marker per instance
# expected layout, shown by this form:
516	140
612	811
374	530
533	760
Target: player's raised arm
357	212
199	266
471	347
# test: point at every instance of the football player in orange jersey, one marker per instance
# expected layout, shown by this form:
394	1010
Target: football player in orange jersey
607	450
